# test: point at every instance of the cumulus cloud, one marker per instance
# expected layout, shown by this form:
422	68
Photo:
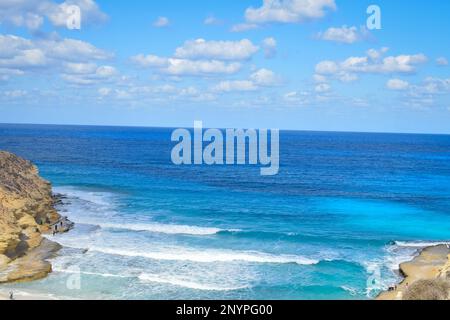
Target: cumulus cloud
373	62
32	13
13	94
264	77
433	85
200	67
23	55
90	77
320	94
201	57
322	87
422	95
155	93
161	22
258	79
270	47
289	11
344	34
180	67
212	21
150	60
235	85
397	84
442	61
221	50
375	54
242	27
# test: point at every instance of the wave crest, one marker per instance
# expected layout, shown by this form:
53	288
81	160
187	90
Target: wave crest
175	281
210	256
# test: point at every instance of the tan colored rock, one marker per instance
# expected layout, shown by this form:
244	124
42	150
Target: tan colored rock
26	210
426	277
4	260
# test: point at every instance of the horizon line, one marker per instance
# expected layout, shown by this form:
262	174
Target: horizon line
222	128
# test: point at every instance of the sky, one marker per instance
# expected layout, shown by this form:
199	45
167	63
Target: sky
284	64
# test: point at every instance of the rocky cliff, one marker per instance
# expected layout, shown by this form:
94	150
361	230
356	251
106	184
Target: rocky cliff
427	277
26	212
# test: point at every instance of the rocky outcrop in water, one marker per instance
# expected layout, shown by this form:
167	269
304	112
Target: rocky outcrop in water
26	212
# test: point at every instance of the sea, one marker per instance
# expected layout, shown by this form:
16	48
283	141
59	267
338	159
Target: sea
343	212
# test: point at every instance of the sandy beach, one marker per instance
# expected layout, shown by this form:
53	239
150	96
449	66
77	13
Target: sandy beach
24	296
427	272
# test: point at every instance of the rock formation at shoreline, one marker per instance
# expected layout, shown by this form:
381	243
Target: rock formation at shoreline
427	277
26	212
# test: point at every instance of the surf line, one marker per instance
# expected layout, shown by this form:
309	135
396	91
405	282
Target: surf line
209	147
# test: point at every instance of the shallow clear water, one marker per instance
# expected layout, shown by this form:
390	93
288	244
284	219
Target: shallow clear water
345	209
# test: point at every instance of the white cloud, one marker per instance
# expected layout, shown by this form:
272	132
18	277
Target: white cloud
31	13
212	21
242	27
319	78
372	63
15	93
322	87
425	94
201	58
270	47
442	61
221	50
344	34
319	95
150	61
327	67
235	85
289	11
200	67
90	12
434	85
258	79
80	68
397	84
180	67
70	56
161	22
73	50
156	93
375	54
104	91
264	77
89	74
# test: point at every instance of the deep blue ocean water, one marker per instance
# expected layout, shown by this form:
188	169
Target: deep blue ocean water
344	210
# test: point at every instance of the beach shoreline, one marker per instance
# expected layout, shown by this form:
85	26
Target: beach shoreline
430	267
25	296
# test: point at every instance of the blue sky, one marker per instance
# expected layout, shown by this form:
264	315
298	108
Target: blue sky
298	64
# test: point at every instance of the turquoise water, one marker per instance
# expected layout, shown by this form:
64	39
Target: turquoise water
344	211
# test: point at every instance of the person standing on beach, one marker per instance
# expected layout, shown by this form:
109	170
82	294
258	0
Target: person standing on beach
11	295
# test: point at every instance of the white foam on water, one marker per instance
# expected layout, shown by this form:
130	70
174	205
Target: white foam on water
180	282
104	275
215	269
95	197
163	228
420	244
352	291
94	208
208	256
397	253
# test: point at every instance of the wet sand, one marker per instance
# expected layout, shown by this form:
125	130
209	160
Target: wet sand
24	296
